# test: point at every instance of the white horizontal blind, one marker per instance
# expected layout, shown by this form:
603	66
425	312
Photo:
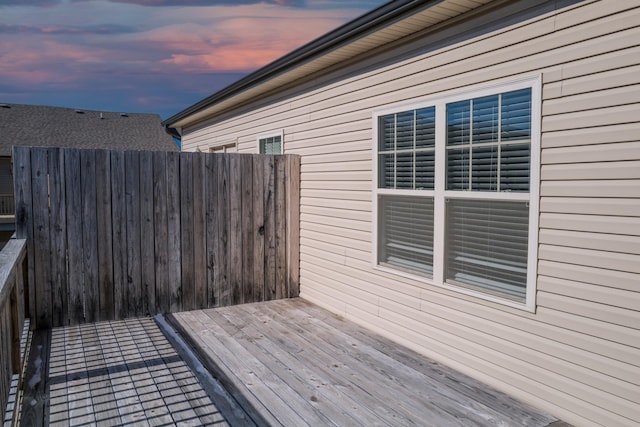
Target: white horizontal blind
488	150
487	245
406	150
488	142
406	238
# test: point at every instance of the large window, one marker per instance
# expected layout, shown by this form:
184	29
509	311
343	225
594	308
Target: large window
456	191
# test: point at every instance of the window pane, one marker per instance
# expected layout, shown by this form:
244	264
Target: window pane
485	119
514	169
386	132
404	170
406	232
458	169
404	131
487	244
425	170
458	123
484	168
386	171
426	127
516	115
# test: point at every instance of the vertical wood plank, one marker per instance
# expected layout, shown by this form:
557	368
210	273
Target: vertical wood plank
24	217
247	229
258	227
186	230
161	240
211	201
75	255
58	236
147	257
106	309
221	244
281	232
118	215
269	229
293	225
134	250
90	235
199	232
39	180
173	227
235	230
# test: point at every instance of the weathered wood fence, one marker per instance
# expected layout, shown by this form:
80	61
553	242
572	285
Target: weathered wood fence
12	315
116	234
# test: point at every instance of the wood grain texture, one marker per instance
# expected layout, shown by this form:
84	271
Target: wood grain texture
120	234
297	364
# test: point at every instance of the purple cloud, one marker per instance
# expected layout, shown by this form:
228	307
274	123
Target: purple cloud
159	3
104	29
40	3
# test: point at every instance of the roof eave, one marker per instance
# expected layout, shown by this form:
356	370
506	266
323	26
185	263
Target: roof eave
377	18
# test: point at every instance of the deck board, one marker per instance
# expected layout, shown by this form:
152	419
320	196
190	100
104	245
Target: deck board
297	364
119	373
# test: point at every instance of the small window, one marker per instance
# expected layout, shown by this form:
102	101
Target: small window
270	144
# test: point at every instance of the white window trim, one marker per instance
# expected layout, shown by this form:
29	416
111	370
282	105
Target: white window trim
279	133
440	194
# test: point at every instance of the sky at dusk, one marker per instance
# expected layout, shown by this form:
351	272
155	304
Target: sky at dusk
154	56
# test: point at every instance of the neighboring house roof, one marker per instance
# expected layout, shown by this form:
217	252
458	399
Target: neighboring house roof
43	126
381	27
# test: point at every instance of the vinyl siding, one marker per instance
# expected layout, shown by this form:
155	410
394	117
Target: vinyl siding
578	355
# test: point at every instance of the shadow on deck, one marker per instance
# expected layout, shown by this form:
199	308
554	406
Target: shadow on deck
283	362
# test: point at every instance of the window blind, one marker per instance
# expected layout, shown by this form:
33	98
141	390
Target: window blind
487	245
406	232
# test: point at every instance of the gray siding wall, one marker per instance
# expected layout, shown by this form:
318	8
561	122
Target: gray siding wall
578	355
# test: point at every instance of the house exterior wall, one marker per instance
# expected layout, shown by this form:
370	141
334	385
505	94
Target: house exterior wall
578	354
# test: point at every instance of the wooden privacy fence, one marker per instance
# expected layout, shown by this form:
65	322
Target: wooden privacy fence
116	234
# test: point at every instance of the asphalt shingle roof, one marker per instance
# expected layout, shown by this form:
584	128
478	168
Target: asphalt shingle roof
43	126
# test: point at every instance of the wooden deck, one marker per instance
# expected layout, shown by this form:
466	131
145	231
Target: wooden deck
291	363
112	374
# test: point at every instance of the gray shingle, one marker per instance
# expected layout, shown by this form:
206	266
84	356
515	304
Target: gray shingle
42	126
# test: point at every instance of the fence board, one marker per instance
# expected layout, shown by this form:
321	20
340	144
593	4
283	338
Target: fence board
104	235
40	197
89	235
247	231
199	233
281	231
186	230
160	222
135	233
211	218
292	199
235	228
134	248
147	240
269	229
57	235
221	243
173	231
119	229
258	229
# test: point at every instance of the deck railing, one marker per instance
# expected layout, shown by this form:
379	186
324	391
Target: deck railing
12	286
117	234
